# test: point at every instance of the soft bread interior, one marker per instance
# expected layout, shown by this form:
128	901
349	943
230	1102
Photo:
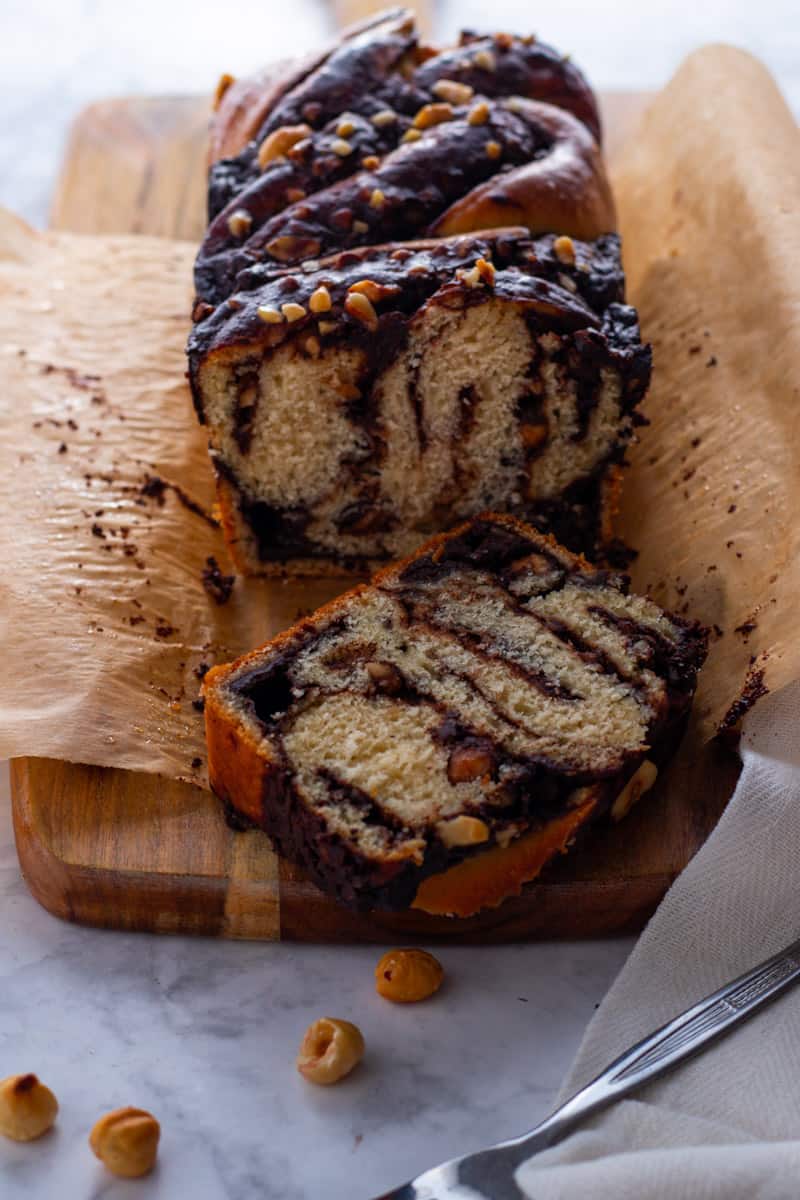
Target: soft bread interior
477	410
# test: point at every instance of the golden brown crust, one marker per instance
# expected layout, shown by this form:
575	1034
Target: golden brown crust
489	878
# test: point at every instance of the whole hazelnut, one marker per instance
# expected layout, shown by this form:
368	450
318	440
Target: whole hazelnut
330	1050
126	1141
27	1108
406	976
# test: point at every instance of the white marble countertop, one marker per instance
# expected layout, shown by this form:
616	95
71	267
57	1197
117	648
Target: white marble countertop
204	1033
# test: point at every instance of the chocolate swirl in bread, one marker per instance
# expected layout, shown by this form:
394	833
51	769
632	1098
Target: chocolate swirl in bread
364	385
477	704
391	391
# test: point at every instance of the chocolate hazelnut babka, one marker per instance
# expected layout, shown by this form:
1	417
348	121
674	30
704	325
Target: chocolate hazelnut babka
435	737
383	346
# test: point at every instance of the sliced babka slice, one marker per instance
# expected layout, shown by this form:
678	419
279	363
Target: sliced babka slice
389	392
434	737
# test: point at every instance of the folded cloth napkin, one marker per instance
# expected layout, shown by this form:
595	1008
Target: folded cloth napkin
727	1123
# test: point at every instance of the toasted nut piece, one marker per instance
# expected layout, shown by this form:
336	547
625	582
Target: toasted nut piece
346	126
406	976
289	248
486	270
504	41
467	763
126	1141
27	1108
293	312
463	831
341	147
452	91
433	114
385	117
326	327
240	223
270	315
564	250
493	149
294	194
280	142
515	104
330	1050
533	435
478	114
485	60
320	300
384	676
377	199
358	306
411	135
371	162
374	292
360	226
639	783
223	83
471	278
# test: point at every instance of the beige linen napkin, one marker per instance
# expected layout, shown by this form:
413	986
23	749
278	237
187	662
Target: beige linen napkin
727	1123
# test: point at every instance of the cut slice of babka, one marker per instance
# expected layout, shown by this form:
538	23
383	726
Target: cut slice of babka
435	737
369	400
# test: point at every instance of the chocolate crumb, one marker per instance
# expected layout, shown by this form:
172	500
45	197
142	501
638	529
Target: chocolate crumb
164	630
97	531
202	669
154	488
196	762
754	688
731	508
696	442
218	586
712	362
62	449
199	704
746	628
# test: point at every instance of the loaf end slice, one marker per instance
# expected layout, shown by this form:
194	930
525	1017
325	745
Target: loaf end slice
433	738
388	393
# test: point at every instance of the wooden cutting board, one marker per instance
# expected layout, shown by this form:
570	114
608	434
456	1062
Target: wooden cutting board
132	851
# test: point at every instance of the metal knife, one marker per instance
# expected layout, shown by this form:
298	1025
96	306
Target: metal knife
489	1174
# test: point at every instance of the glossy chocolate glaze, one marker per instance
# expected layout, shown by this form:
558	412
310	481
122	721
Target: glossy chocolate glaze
535	790
376	71
528	271
416	183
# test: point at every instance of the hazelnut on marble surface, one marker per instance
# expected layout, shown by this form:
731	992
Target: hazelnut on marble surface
406	976
126	1141
330	1050
27	1108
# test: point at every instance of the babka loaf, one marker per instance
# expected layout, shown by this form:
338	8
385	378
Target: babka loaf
375	360
388	392
434	737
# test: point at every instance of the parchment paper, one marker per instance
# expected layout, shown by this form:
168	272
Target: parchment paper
105	623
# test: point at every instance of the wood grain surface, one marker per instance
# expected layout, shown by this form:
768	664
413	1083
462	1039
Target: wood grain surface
129	851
